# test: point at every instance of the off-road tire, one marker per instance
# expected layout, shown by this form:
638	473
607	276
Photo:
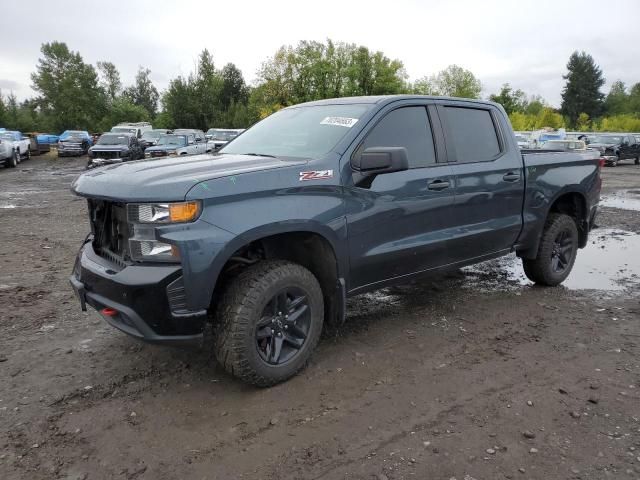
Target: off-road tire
13	161
240	308
28	155
540	269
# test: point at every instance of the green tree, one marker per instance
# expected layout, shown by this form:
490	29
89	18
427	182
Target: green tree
584	123
122	110
535	105
68	88
110	80
455	81
634	99
581	92
548	117
3	111
143	92
234	90
511	100
617	100
207	85
315	70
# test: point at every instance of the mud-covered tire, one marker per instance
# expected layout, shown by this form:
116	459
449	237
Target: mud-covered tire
556	253
13	161
241	312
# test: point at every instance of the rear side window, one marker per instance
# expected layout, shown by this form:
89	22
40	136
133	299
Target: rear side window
472	133
407	127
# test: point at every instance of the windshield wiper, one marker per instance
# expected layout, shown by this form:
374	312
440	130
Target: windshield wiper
259	155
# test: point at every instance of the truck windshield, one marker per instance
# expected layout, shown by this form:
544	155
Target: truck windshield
605	139
152	135
179	140
123	130
224	135
300	132
113	140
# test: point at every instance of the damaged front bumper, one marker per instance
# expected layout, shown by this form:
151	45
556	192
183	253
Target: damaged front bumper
140	300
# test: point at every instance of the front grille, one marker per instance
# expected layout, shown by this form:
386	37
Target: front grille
158	153
106	154
110	230
177	297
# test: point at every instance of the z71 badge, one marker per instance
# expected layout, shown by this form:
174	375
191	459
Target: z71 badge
316	175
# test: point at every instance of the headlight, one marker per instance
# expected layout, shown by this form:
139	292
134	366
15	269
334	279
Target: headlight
179	212
142	217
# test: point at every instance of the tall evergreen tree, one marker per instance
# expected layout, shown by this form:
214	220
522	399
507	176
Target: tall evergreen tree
110	80
581	93
143	93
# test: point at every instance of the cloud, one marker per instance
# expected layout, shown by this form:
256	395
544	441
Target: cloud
526	43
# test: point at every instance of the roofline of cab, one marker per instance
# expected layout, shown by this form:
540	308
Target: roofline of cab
386	99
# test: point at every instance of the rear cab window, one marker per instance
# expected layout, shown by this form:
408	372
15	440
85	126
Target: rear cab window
407	127
471	134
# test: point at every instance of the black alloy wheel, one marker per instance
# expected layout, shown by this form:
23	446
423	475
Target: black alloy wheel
283	327
562	252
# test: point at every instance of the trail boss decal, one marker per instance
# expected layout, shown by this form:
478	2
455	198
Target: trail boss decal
316	175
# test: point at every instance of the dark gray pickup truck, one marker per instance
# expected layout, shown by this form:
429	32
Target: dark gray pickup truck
261	243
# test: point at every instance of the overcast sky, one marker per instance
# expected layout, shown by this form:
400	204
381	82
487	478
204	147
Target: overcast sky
525	43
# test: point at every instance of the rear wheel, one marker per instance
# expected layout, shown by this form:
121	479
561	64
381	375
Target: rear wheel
28	156
637	161
268	322
556	253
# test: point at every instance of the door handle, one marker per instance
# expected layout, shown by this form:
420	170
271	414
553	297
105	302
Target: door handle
438	185
511	177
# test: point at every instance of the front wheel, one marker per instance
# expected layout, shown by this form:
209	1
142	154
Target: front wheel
556	253
268	322
14	160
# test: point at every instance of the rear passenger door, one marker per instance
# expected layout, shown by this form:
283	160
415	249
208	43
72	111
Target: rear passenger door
488	176
398	221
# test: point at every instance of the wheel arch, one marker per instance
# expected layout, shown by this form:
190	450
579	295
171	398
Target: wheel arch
314	246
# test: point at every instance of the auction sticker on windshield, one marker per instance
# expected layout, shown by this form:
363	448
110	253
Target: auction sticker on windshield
340	121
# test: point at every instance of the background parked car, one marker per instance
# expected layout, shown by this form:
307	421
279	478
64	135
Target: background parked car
150	137
13	146
115	148
200	138
137	128
564	145
616	147
221	136
175	144
74	142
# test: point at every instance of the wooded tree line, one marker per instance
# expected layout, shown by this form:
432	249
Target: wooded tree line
72	94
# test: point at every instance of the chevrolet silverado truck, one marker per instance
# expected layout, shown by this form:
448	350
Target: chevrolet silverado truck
174	145
115	148
256	247
74	143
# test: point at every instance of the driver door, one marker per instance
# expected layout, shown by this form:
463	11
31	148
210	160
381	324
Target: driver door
398	222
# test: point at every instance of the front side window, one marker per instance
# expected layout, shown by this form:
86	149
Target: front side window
472	133
406	127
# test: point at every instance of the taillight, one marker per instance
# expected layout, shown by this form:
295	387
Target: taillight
601	163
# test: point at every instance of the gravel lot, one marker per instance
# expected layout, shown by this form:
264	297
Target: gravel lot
473	375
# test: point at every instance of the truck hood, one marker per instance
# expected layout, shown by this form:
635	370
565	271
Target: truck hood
162	148
167	179
109	148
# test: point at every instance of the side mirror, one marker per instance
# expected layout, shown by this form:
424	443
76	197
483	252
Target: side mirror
378	160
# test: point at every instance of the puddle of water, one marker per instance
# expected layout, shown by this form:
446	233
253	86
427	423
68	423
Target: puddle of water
625	200
609	262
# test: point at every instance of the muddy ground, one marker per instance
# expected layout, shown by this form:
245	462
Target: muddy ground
474	375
